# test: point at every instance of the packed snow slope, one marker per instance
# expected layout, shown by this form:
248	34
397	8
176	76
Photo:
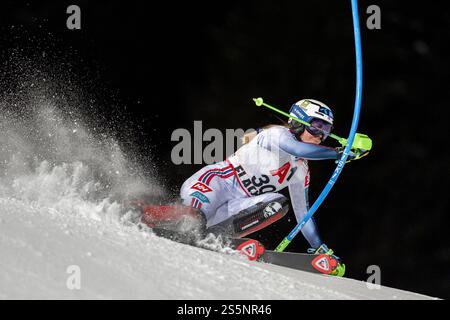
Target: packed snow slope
39	245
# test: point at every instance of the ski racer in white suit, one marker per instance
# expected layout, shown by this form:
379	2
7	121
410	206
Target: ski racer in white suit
246	183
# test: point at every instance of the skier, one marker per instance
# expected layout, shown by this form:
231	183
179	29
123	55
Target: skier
239	196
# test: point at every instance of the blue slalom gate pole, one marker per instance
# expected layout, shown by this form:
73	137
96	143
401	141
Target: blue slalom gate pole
356	112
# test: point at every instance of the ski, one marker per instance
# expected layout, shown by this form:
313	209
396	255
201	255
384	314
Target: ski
255	251
315	263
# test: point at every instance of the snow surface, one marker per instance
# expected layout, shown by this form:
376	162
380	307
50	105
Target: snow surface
38	244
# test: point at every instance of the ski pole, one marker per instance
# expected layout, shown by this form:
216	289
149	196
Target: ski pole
361	141
358	97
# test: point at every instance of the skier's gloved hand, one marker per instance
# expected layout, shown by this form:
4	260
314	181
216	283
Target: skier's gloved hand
353	155
339	270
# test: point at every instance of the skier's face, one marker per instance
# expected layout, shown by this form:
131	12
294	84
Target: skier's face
309	138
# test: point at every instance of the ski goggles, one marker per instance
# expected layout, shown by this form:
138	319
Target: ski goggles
319	128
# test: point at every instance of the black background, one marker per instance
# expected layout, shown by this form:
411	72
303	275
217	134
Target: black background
158	67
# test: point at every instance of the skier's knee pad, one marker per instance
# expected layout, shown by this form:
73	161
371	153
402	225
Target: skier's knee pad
252	219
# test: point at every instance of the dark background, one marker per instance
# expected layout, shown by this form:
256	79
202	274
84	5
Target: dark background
158	67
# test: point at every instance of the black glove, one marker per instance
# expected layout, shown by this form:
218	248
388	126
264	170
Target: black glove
353	154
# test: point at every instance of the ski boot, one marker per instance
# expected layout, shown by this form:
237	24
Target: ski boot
251	219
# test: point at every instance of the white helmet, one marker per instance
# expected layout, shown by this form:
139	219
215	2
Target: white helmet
316	113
